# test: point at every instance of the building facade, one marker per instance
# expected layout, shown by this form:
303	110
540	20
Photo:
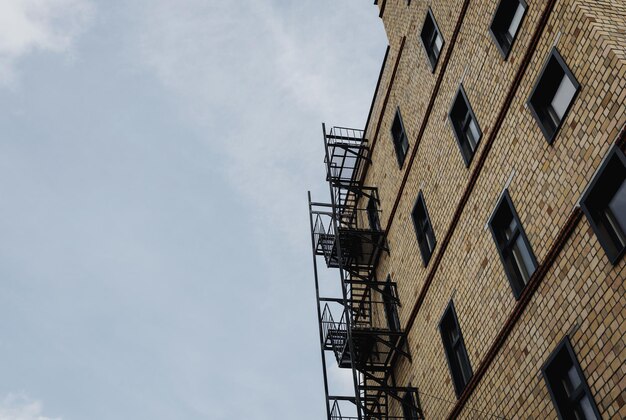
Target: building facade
478	222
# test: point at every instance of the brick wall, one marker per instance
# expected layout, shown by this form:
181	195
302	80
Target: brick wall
582	293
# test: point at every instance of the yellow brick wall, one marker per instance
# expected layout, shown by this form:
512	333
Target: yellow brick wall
582	290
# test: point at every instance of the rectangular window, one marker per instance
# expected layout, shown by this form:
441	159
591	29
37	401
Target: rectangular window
372	214
391	307
400	140
432	40
506	23
423	229
455	350
513	246
604	204
464	125
553	95
567	385
411	407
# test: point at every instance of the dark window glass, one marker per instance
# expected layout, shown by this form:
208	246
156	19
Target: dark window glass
567	385
372	214
553	95
391	307
423	229
506	23
512	243
411	407
400	140
458	361
431	39
464	125
604	204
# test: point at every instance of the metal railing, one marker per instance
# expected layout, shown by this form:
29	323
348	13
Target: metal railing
346	152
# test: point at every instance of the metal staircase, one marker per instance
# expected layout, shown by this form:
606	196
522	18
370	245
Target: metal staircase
361	327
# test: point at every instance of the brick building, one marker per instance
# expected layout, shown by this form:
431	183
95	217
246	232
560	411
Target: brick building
478	222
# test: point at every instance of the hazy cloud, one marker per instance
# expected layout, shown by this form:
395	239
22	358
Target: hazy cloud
21	407
38	25
253	73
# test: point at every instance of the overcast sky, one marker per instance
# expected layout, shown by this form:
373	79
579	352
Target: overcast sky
154	162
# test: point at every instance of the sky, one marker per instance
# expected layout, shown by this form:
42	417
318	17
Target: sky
155	156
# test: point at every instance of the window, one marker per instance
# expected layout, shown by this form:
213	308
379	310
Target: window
391	308
431	39
553	95
506	23
604	204
454	347
423	229
372	214
513	246
464	125
567	385
400	140
411	407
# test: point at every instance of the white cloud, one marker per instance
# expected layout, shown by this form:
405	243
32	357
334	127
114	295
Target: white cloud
21	407
38	25
261	77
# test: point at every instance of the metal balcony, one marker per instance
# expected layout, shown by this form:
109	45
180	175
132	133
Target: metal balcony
346	152
374	327
379	403
349	236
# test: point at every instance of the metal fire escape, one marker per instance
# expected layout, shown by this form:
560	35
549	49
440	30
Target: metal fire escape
361	327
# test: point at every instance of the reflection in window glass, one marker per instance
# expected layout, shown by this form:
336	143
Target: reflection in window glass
604	204
563	97
517	19
617	207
